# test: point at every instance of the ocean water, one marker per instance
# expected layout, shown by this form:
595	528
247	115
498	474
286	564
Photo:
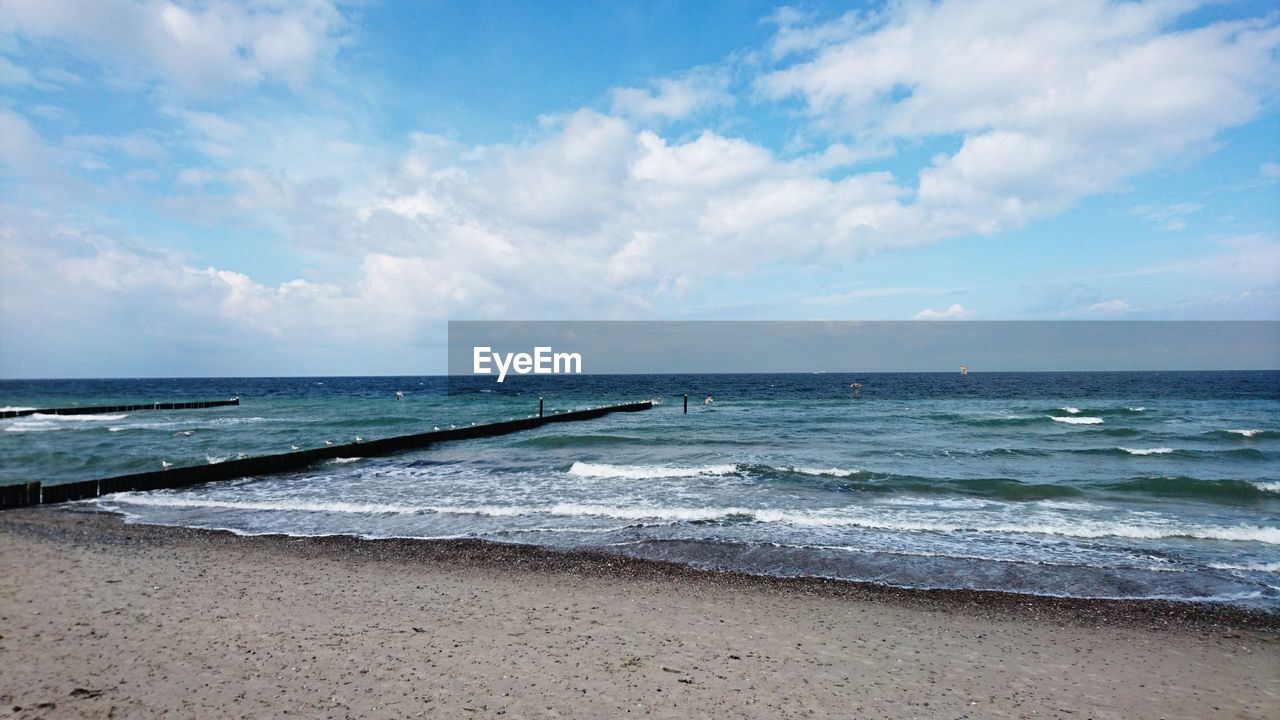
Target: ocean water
1118	485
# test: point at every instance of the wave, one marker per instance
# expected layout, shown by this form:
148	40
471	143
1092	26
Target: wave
985	421
1006	452
1101	410
1248	434
1247	567
15	408
76	418
838	479
33	427
198	423
1077	420
563	441
1007	489
168	501
1240	454
1189	487
826	517
344	460
834	472
1119	431
991	488
646	472
41	422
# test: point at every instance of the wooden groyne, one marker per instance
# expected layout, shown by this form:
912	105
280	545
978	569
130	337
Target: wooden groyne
36	493
101	409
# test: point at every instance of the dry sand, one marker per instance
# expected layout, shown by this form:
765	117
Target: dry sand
103	619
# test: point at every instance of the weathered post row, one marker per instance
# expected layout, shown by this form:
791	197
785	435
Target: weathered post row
100	409
35	493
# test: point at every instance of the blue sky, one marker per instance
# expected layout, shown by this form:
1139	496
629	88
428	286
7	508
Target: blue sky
316	187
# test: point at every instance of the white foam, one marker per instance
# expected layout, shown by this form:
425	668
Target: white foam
645	472
1072	410
1077	420
75	418
1247	567
32	427
1069	505
1246	433
1268	486
149	500
826	472
215	459
14	408
1147	451
868	518
670	514
42	422
936	502
343	460
1140	408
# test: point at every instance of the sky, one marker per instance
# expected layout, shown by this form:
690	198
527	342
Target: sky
314	187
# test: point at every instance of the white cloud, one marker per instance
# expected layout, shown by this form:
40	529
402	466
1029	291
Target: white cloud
1238	260
1167	217
876	293
11	74
955	312
673	98
201	48
1040	105
1108	307
1270	170
1051	101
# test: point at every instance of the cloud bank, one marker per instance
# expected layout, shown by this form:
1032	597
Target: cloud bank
612	211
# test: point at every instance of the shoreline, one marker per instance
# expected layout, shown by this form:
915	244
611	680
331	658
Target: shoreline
1142	612
101	616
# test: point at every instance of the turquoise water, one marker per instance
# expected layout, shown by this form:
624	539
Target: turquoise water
1080	484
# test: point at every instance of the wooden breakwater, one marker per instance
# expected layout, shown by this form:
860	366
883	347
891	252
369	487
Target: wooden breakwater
100	409
37	493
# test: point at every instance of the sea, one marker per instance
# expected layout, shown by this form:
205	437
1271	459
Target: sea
1092	485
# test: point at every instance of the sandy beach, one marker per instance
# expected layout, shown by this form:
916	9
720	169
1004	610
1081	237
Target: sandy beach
104	619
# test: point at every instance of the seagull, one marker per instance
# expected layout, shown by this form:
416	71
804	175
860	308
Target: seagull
294	447
184	432
399	395
436	428
453	427
359	439
241	456
328	442
166	464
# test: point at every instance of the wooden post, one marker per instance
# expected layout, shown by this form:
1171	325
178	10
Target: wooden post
539	407
686	403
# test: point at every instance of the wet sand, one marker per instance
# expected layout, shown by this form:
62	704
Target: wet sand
99	618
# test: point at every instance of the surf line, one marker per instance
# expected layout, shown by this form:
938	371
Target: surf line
36	493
